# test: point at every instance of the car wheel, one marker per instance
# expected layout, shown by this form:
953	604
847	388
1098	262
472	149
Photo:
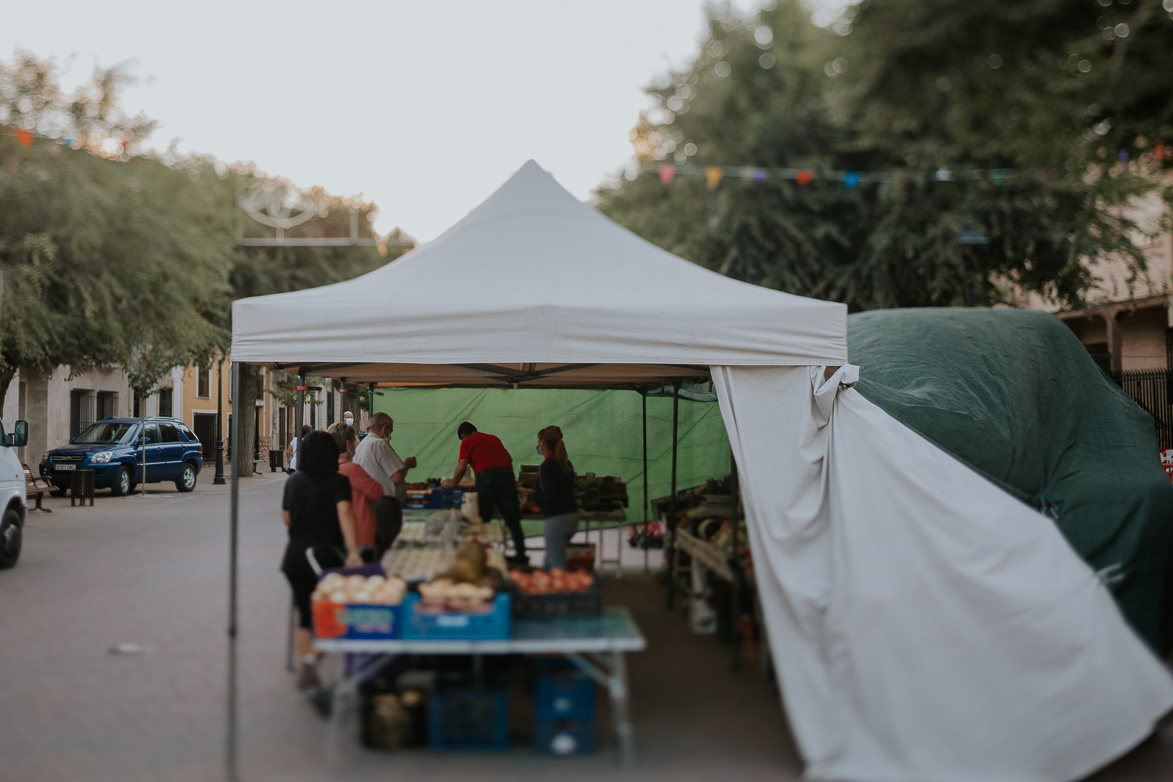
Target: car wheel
10	533
187	479
59	491
121	485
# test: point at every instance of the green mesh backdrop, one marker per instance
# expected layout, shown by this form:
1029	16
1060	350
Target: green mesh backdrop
603	432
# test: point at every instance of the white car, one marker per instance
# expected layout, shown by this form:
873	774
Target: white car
12	493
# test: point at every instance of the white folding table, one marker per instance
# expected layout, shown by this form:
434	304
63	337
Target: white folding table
595	645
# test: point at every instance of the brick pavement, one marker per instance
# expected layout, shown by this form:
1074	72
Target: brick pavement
153	572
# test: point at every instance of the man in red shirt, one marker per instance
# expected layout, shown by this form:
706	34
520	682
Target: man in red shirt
496	486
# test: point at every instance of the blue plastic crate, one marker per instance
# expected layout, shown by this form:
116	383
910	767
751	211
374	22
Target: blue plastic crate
451	626
469	718
564	694
565	736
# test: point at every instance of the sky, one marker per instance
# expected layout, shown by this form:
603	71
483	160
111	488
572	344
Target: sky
423	106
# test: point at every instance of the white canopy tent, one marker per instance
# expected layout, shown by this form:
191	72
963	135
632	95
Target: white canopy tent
924	625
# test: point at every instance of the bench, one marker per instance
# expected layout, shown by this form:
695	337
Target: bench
36	487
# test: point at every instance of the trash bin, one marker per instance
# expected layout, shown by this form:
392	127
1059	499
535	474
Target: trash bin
81	487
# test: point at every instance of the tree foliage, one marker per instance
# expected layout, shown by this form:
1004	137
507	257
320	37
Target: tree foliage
115	258
906	88
105	261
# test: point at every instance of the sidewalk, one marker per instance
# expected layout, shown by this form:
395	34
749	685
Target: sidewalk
153	573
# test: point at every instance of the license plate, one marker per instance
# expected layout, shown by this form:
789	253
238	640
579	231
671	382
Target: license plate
66	466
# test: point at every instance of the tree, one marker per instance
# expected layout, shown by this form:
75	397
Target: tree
106	261
112	258
776	92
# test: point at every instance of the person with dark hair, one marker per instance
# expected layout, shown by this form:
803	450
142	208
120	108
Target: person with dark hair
317	510
555	496
496	485
365	491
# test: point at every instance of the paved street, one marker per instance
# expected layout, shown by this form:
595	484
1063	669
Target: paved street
152	572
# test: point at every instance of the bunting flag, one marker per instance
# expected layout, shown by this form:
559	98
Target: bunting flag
713	175
850	179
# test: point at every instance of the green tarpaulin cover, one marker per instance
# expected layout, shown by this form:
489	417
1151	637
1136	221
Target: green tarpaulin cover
1015	395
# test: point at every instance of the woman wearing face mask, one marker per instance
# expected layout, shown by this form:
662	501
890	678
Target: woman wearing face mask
555	496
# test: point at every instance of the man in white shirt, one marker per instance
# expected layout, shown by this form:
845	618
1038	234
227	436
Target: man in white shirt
375	455
291	449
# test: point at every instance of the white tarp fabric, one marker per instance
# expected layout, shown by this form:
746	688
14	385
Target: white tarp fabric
926	626
533	275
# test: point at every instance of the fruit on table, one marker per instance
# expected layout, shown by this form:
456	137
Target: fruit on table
540	582
376	590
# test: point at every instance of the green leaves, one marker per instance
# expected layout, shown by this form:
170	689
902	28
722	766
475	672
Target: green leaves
110	259
1043	89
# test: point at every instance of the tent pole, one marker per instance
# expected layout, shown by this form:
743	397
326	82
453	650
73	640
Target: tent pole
671	552
299	414
647	501
735	564
234	534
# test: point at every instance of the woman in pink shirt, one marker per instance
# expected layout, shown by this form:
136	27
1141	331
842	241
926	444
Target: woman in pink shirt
364	489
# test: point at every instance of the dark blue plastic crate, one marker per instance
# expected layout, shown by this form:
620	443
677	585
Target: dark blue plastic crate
564	736
452	626
566	694
466	718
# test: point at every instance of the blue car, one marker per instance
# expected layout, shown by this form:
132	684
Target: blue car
113	448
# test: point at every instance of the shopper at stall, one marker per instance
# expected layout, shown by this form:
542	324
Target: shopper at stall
496	485
317	510
555	496
291	449
365	491
375	455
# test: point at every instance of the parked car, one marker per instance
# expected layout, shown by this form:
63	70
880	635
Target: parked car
113	449
13	504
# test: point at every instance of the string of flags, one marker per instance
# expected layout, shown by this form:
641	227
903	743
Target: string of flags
804	176
850	179
26	138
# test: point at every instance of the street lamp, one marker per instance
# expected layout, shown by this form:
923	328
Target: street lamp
218	480
970	236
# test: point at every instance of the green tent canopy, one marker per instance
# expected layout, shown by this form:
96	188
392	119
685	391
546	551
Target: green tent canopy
1015	395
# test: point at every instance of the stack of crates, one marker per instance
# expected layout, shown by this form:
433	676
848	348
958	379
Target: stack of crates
463	716
564	709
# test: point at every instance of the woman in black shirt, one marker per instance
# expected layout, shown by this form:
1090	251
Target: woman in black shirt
555	496
317	510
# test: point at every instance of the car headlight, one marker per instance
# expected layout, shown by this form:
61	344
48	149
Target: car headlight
101	457
45	456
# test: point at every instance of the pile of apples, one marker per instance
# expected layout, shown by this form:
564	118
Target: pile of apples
364	590
539	582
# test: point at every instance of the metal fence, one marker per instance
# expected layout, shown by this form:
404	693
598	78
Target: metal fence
1152	389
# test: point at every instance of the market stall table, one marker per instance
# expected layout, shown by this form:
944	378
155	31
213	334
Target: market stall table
595	645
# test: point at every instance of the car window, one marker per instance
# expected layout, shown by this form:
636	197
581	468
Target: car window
170	433
106	434
152	433
186	432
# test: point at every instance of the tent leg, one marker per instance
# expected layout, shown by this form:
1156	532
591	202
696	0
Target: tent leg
671	551
735	565
645	542
233	557
299	414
